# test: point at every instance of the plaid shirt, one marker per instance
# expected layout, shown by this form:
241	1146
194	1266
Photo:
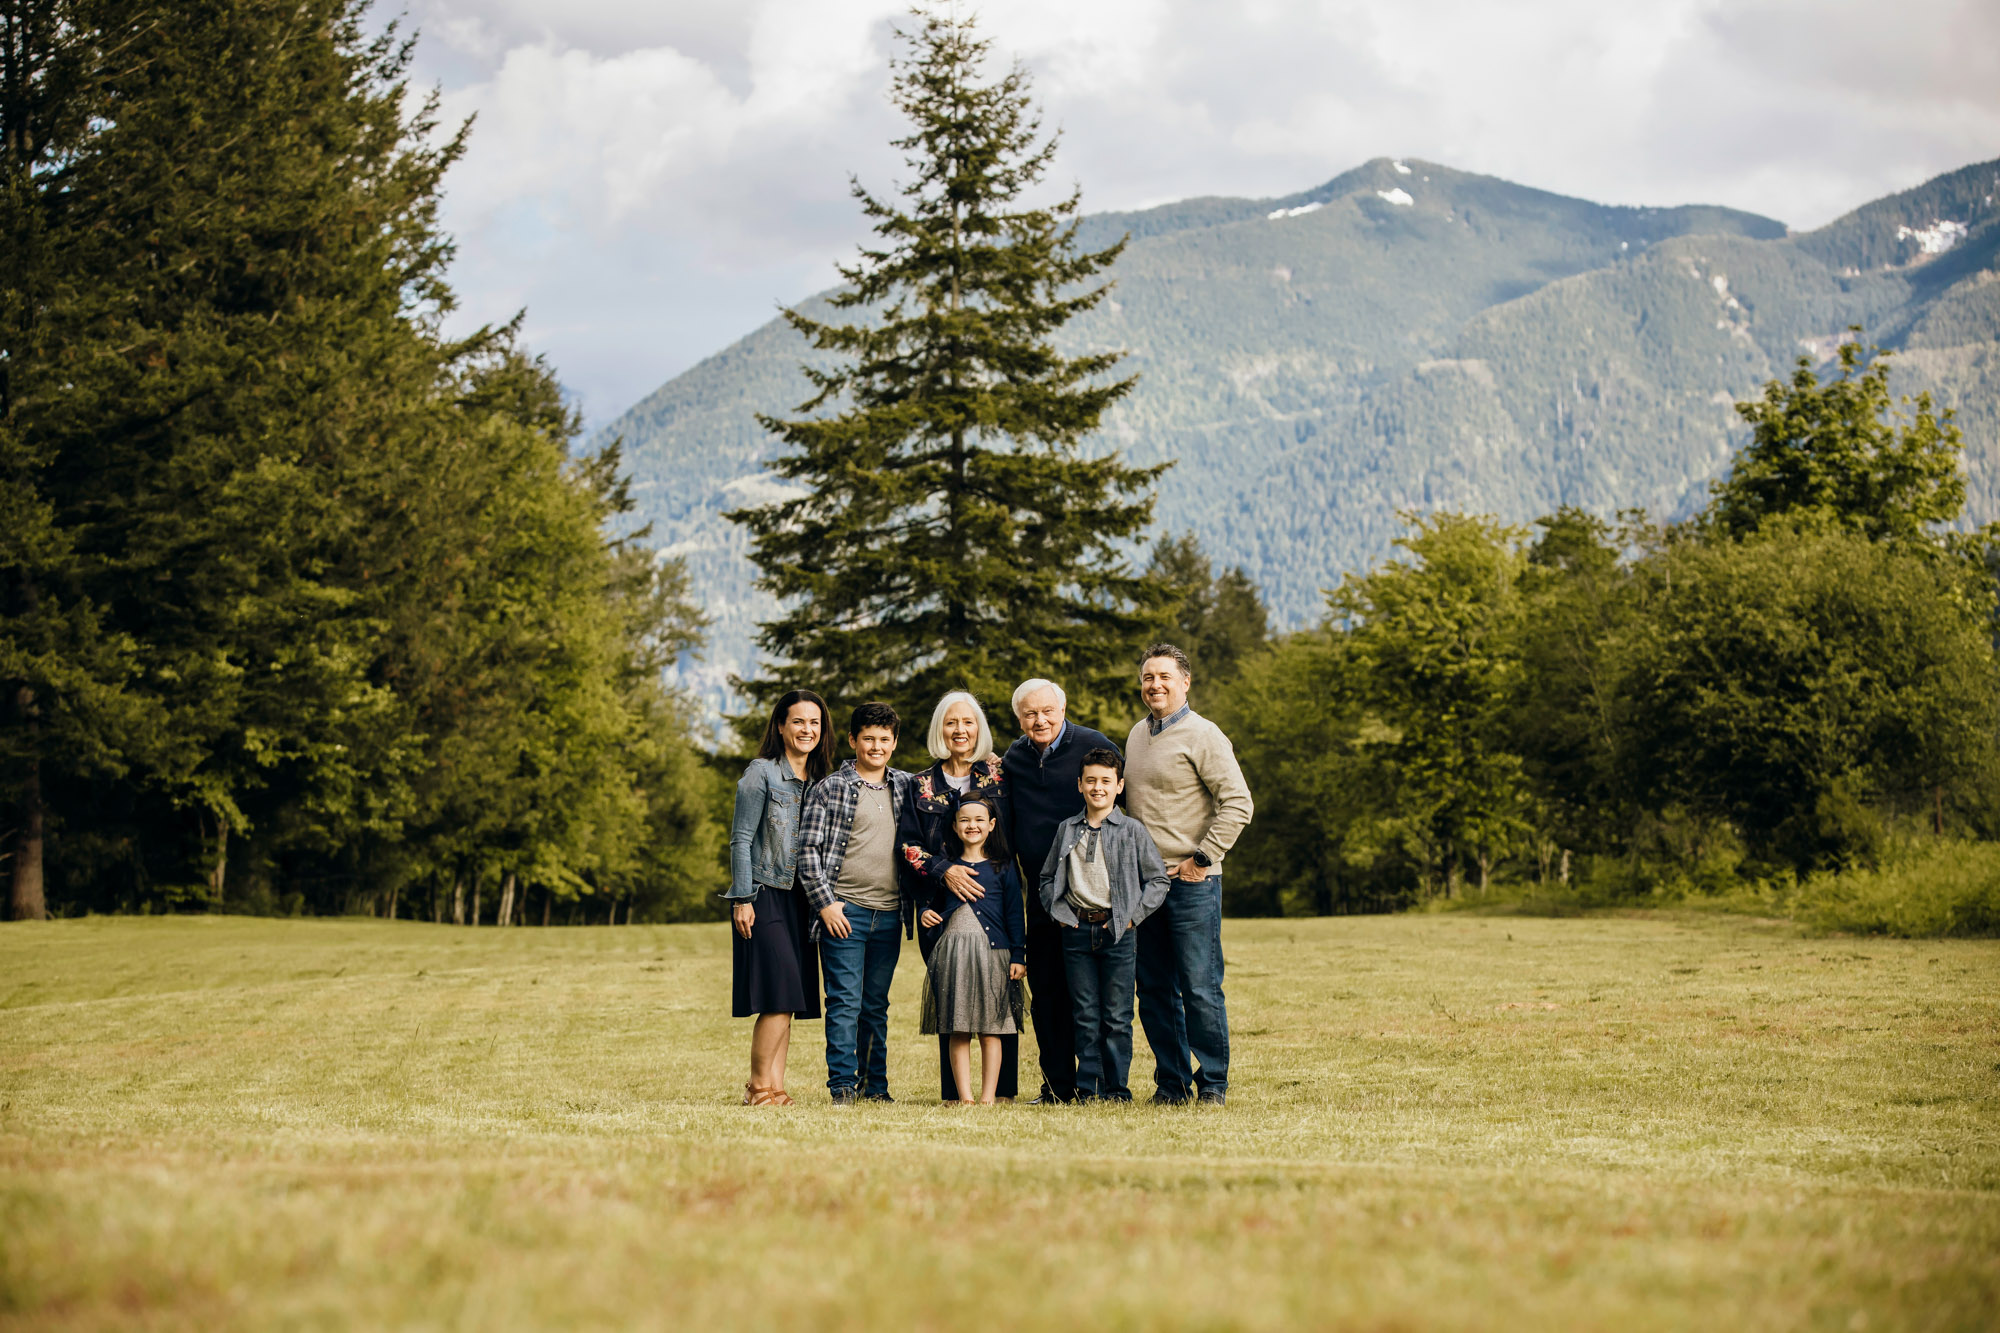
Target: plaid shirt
825	823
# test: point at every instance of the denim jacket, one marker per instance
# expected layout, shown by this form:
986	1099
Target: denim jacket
764	835
1138	877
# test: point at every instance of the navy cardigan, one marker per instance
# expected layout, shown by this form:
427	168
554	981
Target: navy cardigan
1041	794
998	913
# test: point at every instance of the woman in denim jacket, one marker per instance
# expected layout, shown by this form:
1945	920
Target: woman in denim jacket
776	967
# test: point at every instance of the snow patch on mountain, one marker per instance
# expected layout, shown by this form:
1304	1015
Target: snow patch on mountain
1940	236
1401	170
1294	212
1399	197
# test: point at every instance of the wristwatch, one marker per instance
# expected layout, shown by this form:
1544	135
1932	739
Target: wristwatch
1200	858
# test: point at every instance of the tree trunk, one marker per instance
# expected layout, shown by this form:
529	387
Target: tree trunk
220	870
475	899
547	898
1485	867
26	902
395	897
506	915
1563	874
457	899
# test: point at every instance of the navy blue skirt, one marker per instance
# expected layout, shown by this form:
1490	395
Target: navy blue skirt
777	968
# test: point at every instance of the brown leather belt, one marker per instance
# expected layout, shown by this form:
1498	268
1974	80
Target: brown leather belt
1091	918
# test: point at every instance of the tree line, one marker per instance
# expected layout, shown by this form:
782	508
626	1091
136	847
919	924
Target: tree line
1793	679
308	607
304	605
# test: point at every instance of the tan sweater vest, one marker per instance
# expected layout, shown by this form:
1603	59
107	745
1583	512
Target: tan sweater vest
1185	786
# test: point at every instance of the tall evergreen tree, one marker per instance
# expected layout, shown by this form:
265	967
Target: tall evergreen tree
1217	620
954	531
300	601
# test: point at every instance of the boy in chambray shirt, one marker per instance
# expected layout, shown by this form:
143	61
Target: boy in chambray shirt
1103	876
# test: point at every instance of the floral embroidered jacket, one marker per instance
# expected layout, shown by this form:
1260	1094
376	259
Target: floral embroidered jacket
922	848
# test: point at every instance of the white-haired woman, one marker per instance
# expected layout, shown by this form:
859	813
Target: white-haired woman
962	744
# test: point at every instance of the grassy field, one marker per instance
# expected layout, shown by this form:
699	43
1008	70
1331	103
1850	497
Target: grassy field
1449	1122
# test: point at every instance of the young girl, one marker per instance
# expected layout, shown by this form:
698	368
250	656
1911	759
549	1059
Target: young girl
980	954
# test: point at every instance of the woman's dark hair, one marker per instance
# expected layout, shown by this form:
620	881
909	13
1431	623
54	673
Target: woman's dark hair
819	762
996	841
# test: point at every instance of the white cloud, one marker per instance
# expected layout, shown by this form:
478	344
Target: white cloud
651	180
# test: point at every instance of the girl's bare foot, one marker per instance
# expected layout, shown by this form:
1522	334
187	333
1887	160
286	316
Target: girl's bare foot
987	1102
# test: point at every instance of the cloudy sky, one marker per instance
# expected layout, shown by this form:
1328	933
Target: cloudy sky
650	178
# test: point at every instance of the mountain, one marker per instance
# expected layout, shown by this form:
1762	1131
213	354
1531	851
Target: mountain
1411	336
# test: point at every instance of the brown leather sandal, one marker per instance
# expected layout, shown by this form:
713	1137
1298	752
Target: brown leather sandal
767	1097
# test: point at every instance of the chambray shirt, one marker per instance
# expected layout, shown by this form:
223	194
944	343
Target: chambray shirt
1138	877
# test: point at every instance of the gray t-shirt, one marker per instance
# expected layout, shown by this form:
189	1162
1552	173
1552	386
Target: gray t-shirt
868	871
1089	881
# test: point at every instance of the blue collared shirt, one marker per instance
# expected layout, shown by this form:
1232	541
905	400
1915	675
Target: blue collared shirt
1061	732
1156	725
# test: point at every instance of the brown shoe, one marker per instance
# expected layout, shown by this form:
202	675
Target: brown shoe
767	1097
779	1097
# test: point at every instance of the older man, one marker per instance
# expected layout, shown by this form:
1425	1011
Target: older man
1183	783
1042	769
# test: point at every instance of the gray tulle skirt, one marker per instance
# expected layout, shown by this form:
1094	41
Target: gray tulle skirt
967	988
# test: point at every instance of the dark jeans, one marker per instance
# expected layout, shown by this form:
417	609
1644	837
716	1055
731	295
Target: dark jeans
858	971
1010	1068
1180	990
1049	1007
1100	988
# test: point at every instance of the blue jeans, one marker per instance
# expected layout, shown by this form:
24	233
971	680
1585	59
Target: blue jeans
1180	990
858	971
1100	992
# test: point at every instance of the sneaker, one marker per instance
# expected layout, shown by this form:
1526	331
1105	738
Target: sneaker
845	1097
1212	1097
878	1097
1161	1098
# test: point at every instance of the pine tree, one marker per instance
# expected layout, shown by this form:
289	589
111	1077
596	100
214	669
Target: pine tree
955	532
1218	620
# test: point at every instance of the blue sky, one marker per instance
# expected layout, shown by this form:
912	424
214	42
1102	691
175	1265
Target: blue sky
650	180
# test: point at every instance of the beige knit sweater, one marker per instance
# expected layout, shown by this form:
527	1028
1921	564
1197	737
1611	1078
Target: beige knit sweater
1185	787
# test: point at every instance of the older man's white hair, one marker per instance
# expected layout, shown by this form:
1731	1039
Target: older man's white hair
1029	688
982	743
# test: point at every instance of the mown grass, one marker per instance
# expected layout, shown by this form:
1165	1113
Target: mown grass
1436	1122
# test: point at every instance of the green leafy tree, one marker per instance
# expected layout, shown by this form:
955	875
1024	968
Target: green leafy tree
1795	683
1563	719
1315	847
1433	651
954	532
1832	452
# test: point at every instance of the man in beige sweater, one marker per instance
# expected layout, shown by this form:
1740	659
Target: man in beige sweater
1183	783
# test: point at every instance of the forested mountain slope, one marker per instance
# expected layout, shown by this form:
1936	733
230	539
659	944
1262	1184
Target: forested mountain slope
1407	335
